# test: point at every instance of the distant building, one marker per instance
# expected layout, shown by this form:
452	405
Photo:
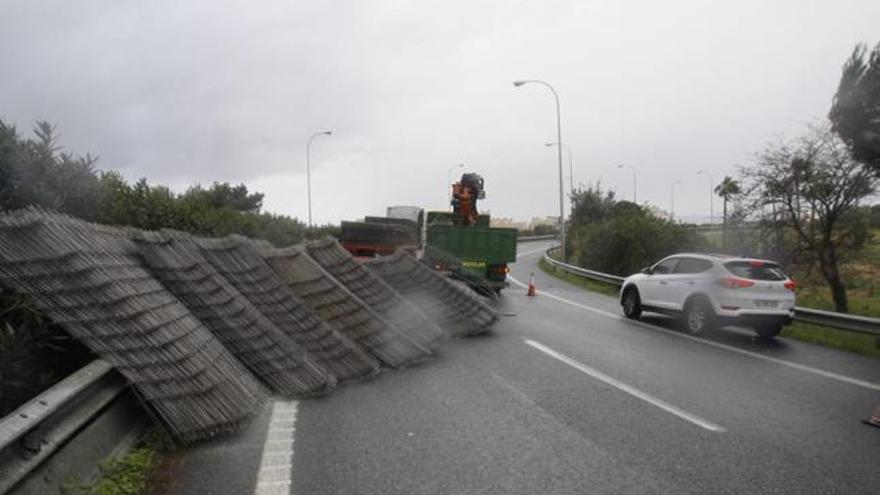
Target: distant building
508	223
536	221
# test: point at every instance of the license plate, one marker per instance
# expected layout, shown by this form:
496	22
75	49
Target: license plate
473	264
765	304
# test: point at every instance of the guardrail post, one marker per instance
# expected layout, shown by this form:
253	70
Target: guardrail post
32	443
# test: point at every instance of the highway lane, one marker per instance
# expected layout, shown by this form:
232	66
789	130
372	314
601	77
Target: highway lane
497	415
567	397
790	350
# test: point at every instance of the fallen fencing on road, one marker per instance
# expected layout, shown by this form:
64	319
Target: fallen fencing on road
87	279
277	360
256	280
457	309
332	302
839	321
376	294
201	327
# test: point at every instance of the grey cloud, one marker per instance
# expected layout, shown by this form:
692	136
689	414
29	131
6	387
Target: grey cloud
184	92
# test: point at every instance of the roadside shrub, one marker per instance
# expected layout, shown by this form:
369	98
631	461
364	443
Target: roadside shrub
621	237
34	352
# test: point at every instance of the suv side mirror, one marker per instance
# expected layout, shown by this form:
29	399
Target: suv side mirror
647	270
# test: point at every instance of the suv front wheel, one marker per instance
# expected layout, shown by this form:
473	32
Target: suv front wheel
632	303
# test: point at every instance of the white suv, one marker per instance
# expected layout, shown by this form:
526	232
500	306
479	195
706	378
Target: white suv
710	290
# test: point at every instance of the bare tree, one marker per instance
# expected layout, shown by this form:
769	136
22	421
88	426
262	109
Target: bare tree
817	188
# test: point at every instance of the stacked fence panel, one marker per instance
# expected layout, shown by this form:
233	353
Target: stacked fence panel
376	294
271	355
239	262
339	306
87	278
458	310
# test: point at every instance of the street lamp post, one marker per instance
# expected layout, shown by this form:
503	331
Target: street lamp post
309	168
672	200
570	166
711	195
634	180
449	180
559	156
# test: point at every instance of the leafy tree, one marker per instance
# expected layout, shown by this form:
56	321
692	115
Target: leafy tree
817	188
34	171
8	169
225	195
620	236
855	112
727	189
591	204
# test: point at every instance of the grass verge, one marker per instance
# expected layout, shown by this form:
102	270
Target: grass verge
857	343
129	474
593	285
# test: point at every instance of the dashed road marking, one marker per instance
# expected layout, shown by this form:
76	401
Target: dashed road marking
650	399
276	465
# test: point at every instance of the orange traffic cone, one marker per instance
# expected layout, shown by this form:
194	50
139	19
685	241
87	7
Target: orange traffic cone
874	420
532	291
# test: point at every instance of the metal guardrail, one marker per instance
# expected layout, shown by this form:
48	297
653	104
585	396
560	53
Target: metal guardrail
531	238
34	431
839	321
583	272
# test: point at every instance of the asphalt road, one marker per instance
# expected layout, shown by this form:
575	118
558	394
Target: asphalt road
565	396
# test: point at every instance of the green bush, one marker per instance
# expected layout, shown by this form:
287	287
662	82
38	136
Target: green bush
621	237
34	353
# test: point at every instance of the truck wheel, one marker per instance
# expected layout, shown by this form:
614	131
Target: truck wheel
698	316
768	330
632	303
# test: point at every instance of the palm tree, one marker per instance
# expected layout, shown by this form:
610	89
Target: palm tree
728	188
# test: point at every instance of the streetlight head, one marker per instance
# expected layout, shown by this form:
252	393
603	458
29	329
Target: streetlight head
518	83
620	166
549	144
328	132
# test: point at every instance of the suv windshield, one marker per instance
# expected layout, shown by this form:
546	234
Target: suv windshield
755	270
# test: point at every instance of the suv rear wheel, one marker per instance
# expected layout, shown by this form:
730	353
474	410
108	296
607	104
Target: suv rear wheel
632	303
698	316
768	330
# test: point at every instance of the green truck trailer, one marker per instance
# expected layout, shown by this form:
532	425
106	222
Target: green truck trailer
459	242
477	253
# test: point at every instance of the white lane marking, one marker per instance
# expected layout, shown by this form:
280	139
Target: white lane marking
276	465
718	345
583	368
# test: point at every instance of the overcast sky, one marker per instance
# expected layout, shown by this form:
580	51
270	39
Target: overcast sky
194	92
